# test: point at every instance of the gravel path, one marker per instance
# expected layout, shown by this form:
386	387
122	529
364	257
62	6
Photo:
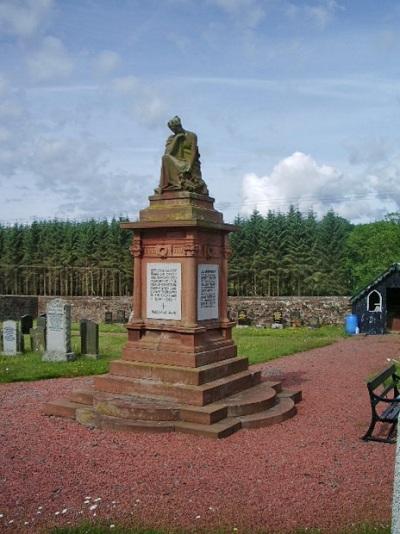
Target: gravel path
310	471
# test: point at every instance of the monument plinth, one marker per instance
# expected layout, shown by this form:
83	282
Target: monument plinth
179	369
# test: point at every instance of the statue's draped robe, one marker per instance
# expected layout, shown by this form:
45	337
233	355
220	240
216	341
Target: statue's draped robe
181	161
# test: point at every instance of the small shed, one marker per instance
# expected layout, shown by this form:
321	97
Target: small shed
377	306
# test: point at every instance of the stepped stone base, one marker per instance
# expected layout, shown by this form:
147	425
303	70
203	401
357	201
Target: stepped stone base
216	409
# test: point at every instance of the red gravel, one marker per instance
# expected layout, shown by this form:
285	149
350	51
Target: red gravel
310	471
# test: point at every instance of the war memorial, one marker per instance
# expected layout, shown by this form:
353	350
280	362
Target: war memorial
179	370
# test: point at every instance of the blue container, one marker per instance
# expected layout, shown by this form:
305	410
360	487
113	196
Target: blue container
351	324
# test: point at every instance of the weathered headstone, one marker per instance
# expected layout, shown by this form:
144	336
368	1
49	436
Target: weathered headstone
12	339
243	319
121	316
26	323
38	339
89	338
58	339
42	321
108	317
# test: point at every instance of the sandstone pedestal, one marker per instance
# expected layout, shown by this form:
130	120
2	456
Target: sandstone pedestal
179	369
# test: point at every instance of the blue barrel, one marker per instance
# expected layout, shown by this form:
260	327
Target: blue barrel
351	324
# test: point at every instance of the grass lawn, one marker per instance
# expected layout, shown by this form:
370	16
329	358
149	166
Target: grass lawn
259	344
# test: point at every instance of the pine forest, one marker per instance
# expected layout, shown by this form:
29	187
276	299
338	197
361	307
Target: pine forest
279	254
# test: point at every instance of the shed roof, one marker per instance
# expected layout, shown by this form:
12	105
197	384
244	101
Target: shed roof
395	267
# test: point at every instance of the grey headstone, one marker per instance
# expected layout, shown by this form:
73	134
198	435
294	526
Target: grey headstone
108	317
38	339
26	323
12	339
41	321
121	316
89	338
58	332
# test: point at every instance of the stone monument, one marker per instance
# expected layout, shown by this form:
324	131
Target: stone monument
89	338
58	338
12	338
179	370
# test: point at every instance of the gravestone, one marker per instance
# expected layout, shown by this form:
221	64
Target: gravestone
243	319
38	339
58	338
121	317
108	317
26	323
89	338
12	339
42	321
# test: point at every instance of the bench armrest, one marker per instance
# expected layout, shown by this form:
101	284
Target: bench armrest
384	399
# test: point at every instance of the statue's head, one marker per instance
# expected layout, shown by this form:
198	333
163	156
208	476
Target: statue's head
175	124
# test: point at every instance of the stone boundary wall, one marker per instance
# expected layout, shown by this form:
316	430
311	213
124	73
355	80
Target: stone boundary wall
260	310
93	308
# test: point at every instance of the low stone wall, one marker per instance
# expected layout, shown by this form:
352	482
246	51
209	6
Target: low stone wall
259	310
94	308
307	310
12	307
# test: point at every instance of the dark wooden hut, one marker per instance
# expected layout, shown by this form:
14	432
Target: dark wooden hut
377	306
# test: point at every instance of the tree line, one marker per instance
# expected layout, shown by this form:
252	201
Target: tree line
65	258
273	255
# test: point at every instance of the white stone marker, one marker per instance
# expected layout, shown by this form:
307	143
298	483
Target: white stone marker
58	332
11	338
396	489
207	292
164	291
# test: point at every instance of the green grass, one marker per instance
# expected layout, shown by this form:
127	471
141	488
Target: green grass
259	344
29	366
265	344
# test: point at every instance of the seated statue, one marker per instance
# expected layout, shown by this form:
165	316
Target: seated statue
180	166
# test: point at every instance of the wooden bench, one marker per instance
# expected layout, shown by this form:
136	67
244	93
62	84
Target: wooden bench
385	403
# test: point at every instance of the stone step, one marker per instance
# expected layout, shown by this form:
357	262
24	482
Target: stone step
296	395
276	384
61	408
179	375
135	351
283	409
182	393
222	429
127	425
252	400
136	408
82	396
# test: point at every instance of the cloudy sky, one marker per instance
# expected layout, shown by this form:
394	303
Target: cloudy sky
293	101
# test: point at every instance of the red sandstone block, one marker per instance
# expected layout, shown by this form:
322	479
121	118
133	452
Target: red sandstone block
295	395
82	396
135	408
179	375
205	415
252	400
139	353
114	423
222	429
61	408
283	409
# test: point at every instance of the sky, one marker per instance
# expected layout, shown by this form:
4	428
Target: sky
293	102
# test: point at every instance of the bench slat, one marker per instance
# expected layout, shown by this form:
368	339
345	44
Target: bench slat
378	379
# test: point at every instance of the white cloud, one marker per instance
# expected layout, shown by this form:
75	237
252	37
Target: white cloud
299	180
23	17
143	101
247	13
106	62
50	62
320	13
